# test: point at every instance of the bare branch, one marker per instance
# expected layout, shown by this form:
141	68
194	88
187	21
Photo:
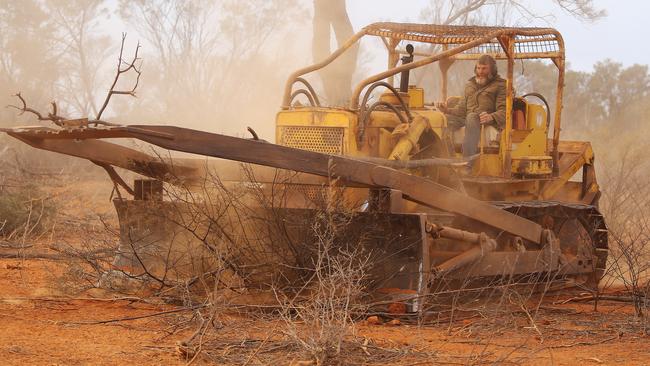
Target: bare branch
581	9
132	65
50	116
24	108
464	11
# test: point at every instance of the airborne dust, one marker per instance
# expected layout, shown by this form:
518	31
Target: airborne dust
221	66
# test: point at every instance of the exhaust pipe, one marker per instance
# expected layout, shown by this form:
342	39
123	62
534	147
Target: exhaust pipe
404	78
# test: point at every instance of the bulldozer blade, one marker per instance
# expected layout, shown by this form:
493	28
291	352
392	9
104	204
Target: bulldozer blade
275	247
347	170
417	189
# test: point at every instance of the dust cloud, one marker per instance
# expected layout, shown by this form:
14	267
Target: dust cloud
216	65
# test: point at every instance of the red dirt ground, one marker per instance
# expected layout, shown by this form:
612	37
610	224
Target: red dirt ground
41	325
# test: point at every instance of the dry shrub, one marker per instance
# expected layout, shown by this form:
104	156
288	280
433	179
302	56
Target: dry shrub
227	247
88	264
625	202
25	209
251	243
317	273
319	319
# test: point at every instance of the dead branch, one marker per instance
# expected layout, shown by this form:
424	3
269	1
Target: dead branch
130	299
250	358
9	245
34	255
134	251
127	318
122	70
52	116
585	343
588	298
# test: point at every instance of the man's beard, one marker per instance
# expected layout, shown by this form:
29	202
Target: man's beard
481	80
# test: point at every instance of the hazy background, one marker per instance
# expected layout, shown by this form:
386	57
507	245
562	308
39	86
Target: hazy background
221	65
615	35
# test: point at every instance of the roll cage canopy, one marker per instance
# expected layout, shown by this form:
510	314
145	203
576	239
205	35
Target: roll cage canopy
456	43
528	42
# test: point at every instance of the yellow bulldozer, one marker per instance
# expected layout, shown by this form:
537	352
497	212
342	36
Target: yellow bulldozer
527	209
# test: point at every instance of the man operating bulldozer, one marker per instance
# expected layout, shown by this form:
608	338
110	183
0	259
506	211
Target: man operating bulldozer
483	103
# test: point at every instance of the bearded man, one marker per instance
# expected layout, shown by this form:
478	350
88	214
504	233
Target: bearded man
484	102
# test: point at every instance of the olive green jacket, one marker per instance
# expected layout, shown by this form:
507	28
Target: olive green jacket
490	98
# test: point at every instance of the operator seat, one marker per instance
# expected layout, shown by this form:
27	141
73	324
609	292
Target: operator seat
491	135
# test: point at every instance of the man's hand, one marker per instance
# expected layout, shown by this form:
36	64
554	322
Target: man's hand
485	118
442	106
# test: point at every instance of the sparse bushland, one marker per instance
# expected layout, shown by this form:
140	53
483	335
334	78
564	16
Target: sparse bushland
233	245
317	274
26	210
626	203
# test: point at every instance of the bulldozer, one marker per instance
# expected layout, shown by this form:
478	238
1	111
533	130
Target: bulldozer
525	206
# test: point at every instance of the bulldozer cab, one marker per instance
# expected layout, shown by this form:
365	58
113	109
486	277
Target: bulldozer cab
522	150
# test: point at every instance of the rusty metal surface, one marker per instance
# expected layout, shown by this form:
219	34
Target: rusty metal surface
485	246
417	189
350	171
571	157
588	215
84	143
154	234
508	264
528	42
454	34
294	77
438	231
507	157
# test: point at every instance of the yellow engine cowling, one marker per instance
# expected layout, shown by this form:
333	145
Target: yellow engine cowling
334	131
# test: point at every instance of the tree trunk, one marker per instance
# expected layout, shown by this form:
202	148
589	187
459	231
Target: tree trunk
337	77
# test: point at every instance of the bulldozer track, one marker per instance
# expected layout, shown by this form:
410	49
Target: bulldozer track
555	215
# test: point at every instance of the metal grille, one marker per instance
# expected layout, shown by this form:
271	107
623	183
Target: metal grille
317	195
327	140
529	42
539	45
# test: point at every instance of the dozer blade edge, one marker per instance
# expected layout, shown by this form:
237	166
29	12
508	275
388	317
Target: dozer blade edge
348	170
